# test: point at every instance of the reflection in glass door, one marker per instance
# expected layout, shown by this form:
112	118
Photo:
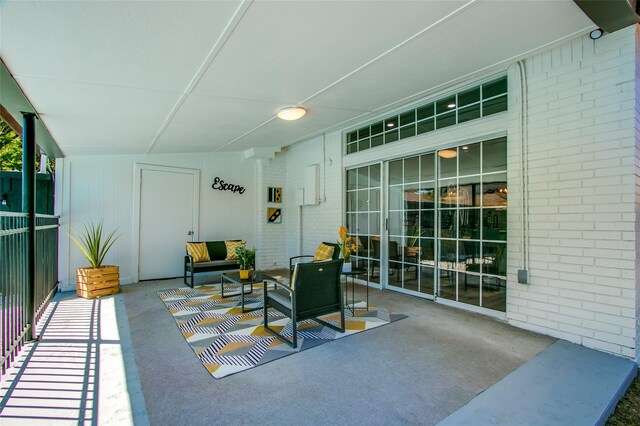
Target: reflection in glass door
411	216
363	217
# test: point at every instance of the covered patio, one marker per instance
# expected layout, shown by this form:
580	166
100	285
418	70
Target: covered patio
484	169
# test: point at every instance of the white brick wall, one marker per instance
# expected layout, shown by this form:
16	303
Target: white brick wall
582	185
270	236
320	222
637	189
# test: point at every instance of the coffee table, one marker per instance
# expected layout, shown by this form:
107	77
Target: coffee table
234	278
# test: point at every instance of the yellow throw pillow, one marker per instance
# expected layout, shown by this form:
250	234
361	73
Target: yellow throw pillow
231	248
198	251
323	253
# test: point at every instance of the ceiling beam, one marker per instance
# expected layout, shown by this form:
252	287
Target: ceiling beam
11	122
610	15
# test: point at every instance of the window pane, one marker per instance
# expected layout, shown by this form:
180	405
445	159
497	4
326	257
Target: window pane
395	172
396	222
448	193
364	144
447	166
494	156
494	224
364	132
494	258
352	136
448	254
427	167
391	122
377	141
408	118
352	147
411	196
351	201
374	223
469	224
377	128
468	97
426	280
469	289
352	179
374	199
363	200
407	131
494	293
448	223
469	113
469	256
363	177
391	136
427	223
494	88
494	106
494	190
363	223
469	159
412	169
447	289
446	104
374	175
351	221
426	199
446	120
469	191
396	197
425	111
425	126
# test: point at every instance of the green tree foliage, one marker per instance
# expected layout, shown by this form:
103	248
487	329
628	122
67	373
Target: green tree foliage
11	150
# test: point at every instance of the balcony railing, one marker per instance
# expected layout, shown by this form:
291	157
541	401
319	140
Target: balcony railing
17	296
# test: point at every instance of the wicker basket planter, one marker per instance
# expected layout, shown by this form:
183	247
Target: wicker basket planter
94	282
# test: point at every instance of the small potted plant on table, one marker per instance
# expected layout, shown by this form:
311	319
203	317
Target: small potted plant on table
247	260
96	280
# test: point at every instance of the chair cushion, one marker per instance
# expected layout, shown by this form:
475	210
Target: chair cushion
231	248
324	252
198	251
280	296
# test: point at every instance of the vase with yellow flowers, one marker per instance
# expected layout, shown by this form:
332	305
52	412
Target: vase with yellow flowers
346	248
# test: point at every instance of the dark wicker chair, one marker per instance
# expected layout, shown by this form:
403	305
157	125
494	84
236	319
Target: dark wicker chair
316	290
336	255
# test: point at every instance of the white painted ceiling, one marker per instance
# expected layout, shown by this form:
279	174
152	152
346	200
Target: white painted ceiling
133	77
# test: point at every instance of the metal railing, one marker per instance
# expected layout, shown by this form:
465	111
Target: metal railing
16	292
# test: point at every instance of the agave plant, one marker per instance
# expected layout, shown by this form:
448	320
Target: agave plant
91	244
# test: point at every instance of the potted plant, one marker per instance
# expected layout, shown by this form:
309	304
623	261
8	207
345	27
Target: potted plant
413	232
247	261
346	248
96	280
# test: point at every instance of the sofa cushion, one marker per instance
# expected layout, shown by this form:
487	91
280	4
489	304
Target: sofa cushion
217	250
198	251
214	263
231	248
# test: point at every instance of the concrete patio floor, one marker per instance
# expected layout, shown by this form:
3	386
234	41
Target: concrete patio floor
437	362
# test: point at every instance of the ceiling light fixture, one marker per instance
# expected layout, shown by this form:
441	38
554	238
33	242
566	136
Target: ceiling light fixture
465	147
596	34
451	105
448	153
390	124
292	113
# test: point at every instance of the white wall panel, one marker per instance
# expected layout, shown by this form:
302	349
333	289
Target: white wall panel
96	188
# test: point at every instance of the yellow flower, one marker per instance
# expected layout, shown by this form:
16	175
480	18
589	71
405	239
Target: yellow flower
343	232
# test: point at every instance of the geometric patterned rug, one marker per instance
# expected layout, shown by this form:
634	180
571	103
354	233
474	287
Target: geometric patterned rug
227	341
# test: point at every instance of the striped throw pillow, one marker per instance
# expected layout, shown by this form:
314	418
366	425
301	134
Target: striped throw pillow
198	251
323	253
231	248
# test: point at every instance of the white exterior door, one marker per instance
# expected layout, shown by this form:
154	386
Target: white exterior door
167	215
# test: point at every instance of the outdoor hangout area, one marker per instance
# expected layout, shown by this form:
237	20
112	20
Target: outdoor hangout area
310	212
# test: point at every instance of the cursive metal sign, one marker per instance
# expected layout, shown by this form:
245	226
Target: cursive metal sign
220	185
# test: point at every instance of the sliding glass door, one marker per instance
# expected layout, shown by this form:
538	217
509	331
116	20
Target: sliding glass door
444	231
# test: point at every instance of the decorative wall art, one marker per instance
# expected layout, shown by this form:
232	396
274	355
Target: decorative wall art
275	195
274	215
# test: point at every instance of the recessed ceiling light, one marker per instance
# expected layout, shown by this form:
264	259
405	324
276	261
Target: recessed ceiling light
390	124
451	105
448	153
465	147
291	113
